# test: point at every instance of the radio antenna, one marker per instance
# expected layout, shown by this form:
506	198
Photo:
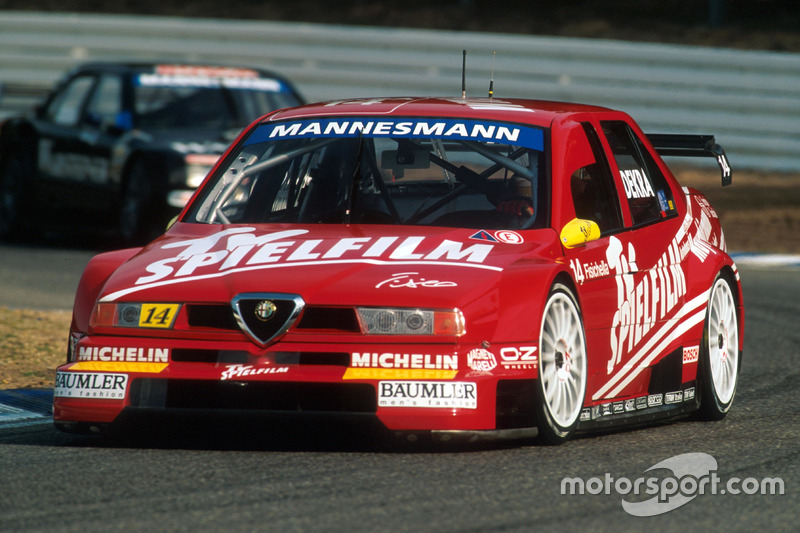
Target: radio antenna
464	75
491	79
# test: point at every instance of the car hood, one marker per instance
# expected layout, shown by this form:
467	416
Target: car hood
326	264
195	141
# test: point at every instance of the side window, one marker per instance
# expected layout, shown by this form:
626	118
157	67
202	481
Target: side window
593	193
65	109
649	196
106	102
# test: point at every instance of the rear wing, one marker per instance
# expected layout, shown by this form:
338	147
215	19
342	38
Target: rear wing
669	144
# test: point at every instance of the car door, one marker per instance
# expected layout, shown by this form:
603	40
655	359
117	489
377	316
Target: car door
75	144
58	146
646	262
589	192
105	120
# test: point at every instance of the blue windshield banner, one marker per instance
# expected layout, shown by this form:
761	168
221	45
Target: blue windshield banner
398	128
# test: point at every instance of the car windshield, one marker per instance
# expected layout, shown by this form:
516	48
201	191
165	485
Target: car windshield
441	172
198	99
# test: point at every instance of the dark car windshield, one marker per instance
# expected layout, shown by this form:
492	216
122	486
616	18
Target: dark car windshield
444	172
203	99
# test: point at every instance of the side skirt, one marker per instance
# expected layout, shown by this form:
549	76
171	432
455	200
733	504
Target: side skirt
640	410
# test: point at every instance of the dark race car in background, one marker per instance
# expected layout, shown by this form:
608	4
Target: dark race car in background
451	267
125	145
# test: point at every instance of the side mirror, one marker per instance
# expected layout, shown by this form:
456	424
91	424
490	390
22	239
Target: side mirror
578	232
115	125
121	122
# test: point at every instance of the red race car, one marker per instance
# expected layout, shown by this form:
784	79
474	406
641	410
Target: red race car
446	267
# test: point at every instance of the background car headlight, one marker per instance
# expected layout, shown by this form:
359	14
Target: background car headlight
398	321
197	166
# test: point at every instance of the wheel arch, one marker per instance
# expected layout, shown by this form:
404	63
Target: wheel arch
160	164
523	296
565	279
135	157
91	284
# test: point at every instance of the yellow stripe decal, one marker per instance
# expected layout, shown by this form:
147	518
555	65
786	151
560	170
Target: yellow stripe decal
398	373
101	366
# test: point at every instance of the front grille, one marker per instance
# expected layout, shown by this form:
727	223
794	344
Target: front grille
263	396
212	316
220	316
265	316
337	318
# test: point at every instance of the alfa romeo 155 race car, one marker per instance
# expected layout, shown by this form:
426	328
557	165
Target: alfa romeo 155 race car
445	267
124	145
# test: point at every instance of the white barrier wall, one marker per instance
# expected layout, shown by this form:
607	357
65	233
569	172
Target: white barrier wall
749	99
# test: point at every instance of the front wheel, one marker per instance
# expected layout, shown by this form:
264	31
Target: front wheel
562	367
134	216
719	352
12	187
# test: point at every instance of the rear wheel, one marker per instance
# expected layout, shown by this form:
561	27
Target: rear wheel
562	367
719	352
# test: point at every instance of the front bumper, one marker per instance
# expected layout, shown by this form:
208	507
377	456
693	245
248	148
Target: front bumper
402	387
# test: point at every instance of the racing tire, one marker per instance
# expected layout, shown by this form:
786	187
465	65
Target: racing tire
719	352
12	190
135	206
563	367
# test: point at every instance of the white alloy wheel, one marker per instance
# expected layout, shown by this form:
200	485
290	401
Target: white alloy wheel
720	358
562	366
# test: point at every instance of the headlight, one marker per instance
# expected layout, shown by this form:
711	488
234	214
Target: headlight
134	315
397	321
197	166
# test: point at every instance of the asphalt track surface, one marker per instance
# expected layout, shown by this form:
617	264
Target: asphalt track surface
311	481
